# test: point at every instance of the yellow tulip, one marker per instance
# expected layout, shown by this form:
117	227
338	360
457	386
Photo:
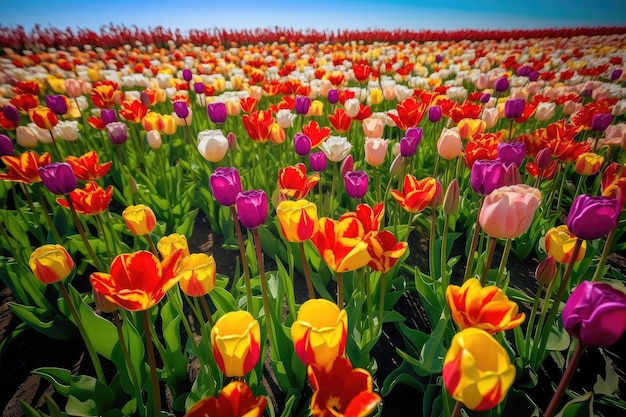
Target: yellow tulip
560	245
197	274
168	244
298	219
51	263
236	340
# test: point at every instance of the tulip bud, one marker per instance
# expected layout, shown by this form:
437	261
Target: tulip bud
43	117
600	122
303	104
452	197
449	145
217	112
302	144
117	132
181	109
593	217
297	219
356	183
153	137
11	113
397	165
333	96
225	185
588	163
502	84
252	208
232	141
58	177
108	116
347	165
212	145
197	274
58	104
6	145
187	75
140	219
317	160
51	263
616	74
514	107
546	271
236	341
198	88
171	243
434	113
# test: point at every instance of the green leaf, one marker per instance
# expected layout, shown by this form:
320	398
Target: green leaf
29	411
52	325
223	300
88	397
59	378
404	374
579	407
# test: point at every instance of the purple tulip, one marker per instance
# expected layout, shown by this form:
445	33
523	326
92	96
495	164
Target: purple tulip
58	177
118	132
592	217
523	71
502	84
303	104
145	99
57	104
485	98
410	142
514	107
217	112
595	313
511	152
511	175
333	96
302	144
434	113
6	145
544	158
11	113
187	75
533	76
616	74
600	122
252	208
198	88
438	58
318	161
225	185
108	116
181	109
486	175
356	183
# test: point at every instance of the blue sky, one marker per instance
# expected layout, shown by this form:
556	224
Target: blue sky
319	14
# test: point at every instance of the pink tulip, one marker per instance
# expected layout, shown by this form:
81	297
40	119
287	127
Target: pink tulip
449	145
375	151
508	211
373	127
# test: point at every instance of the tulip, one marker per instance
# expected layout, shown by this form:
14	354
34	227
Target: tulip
347	165
434	113
384	250
477	370
25	167
375	151
514	107
486	176
58	177
43	117
235	400
616	74
591	218
333	96
511	175
196	273
508	211
487	308
502	84
6	145
559	243
490	117
588	163
285	118
373	127
336	148
212	145
318	161
168	244
545	111
546	271
51	264
512	152
544	158
108	116
187	74
468	128
225	185
595	313
154	140
416	194
410	141
117	132
137	281
320	332
58	104
303	104
181	109
90	200
352	106
600	122
297	219
340	244
198	88
293	181
252	208
236	339
11	113
356	183
449	145
302	144
217	112
139	219
451	198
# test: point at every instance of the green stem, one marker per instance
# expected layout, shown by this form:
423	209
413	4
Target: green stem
431	243
540	324
156	393
129	362
31	205
340	290
474	245
207	311
377	184
244	259
81	231
370	309
505	257
264	287
57	152
381	304
105	235
83	333
565	380
153	247
444	242
548	202
531	320
456	412
491	245
45	208
332	190
307	272
605	254
561	189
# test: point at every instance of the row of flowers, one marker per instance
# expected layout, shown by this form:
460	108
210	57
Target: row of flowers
332	158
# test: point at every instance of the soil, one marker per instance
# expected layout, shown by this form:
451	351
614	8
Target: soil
31	349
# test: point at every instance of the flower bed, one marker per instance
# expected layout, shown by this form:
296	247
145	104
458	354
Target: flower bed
343	180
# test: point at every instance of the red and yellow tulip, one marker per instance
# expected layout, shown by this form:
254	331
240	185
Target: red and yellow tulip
416	194
235	400
236	340
197	274
90	200
140	219
298	219
560	244
51	263
24	168
88	167
340	242
293	181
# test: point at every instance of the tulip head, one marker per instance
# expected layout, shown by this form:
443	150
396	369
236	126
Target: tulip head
197	273
559	243
58	177
508	211
51	263
225	185
252	208
593	217
236	340
298	219
140	219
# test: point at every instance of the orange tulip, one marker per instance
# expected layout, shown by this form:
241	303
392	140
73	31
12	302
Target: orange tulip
340	121
259	125
51	263
341	244
235	400
486	308
87	166
197	274
133	111
140	219
316	133
137	281
90	200
24	168
416	194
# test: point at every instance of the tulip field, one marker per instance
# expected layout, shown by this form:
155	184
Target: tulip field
233	223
